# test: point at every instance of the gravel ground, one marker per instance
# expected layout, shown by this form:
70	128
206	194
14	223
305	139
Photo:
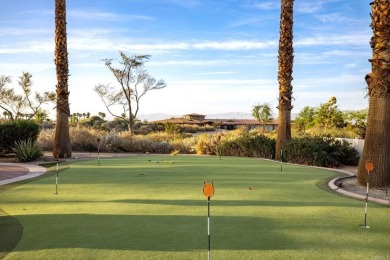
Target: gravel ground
351	185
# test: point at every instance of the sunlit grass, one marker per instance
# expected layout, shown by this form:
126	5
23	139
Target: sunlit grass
152	207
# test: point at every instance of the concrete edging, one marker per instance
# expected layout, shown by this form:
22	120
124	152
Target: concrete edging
336	188
33	171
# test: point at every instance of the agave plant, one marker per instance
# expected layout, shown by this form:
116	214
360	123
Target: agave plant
27	150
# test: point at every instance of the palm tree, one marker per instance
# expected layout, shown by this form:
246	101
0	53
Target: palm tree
61	146
286	59
377	142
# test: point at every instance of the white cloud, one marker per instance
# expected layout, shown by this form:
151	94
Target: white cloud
43	46
185	3
329	57
352	39
245	21
311	7
218	73
308	7
222	95
13	31
96	15
330	82
346	99
268	5
104	44
331	17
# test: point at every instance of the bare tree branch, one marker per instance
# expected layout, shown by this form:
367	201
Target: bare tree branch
134	83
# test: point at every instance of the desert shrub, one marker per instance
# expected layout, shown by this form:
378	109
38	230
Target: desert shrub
184	146
159	137
27	150
145	129
207	144
12	132
111	143
345	132
83	139
249	145
45	139
196	128
321	151
143	144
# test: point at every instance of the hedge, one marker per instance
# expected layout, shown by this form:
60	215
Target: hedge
12	132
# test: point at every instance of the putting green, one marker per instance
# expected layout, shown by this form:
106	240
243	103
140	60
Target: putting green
153	207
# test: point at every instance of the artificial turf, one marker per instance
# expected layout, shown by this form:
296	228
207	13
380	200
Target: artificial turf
152	207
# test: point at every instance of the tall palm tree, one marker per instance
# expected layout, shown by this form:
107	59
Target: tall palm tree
286	59
377	142
61	146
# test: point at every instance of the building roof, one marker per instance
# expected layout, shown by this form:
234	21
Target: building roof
194	114
181	120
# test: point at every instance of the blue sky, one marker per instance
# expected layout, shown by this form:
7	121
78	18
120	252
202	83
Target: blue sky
215	55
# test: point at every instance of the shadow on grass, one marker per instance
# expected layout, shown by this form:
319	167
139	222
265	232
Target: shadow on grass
239	203
10	233
149	233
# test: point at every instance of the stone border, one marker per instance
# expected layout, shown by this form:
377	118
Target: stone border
334	187
33	171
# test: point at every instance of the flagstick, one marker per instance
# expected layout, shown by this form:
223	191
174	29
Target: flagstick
57	178
281	160
365	210
208	226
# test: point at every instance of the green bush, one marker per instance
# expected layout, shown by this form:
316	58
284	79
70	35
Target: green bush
12	132
321	151
27	150
249	145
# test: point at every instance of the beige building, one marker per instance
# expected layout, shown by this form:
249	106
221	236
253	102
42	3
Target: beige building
228	124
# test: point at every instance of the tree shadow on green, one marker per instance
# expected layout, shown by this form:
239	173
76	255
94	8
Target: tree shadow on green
10	233
148	233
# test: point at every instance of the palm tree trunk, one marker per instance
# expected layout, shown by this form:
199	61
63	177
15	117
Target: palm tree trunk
61	145
286	60
377	142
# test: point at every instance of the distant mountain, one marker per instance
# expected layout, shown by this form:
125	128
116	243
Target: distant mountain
155	117
230	115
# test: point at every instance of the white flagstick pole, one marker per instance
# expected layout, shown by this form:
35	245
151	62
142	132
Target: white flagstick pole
365	211
369	166
98	141
281	160
57	179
